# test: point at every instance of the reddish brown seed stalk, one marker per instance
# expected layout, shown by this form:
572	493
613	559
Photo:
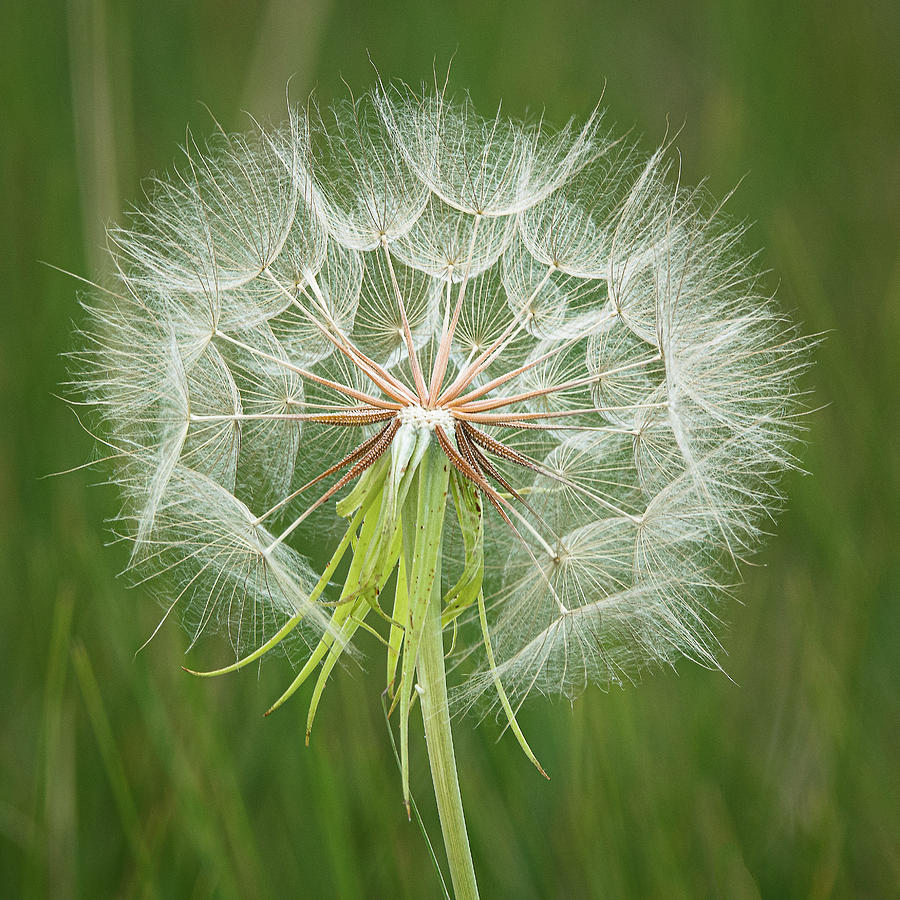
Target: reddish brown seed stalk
486	467
351	457
359	416
377	374
367	458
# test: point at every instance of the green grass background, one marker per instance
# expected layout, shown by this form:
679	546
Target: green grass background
121	776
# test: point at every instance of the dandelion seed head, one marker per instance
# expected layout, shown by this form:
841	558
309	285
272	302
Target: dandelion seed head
585	336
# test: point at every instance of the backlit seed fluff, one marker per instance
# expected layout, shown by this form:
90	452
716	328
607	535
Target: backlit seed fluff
586	339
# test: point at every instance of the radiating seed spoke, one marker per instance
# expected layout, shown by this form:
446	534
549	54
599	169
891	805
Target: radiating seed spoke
351	457
370	456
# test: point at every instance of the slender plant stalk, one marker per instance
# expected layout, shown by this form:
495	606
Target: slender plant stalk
423	537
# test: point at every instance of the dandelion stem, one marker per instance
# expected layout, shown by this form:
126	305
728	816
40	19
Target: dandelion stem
424	573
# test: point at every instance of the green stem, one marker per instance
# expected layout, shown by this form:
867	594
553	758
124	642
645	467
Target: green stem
433	478
441	757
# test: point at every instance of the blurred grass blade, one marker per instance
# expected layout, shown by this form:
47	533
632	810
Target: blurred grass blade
112	762
412	801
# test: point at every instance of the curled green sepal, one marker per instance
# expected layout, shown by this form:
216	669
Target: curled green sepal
359	610
501	693
470	513
295	620
365	491
344	609
393	483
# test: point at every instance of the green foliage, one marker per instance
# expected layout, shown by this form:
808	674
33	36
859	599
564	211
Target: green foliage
783	784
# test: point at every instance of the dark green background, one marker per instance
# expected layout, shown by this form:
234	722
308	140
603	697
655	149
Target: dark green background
122	776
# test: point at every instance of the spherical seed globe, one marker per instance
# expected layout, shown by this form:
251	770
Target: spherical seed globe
297	317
